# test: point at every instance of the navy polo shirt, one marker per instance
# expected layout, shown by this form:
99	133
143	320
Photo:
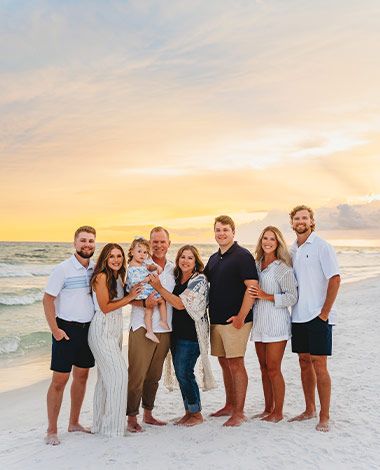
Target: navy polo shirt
226	274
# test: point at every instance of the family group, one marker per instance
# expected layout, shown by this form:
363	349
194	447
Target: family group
180	309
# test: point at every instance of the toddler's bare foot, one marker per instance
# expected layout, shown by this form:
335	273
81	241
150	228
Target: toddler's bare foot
152	337
164	325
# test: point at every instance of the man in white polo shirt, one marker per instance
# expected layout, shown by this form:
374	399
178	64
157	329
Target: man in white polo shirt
317	272
69	310
146	358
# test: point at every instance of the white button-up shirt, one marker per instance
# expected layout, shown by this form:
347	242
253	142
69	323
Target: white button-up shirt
137	313
314	263
69	283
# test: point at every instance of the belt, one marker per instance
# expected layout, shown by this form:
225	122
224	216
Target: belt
74	323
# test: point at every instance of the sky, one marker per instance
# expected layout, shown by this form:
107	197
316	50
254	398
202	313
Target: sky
125	115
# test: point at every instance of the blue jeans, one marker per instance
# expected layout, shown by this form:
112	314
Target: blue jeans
185	354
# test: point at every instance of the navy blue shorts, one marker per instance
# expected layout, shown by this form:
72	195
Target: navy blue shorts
72	352
313	337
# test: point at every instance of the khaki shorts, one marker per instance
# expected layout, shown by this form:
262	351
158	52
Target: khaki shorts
227	341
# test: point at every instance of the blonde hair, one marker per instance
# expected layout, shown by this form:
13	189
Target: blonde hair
225	220
302	207
137	241
282	252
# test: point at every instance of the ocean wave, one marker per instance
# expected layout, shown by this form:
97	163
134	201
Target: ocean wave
24	270
28	297
10	345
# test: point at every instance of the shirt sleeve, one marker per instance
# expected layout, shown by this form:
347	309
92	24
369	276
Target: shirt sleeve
328	260
247	267
288	285
56	281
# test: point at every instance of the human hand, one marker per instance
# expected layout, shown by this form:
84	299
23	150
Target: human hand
324	316
151	301
154	281
135	291
256	293
237	322
60	335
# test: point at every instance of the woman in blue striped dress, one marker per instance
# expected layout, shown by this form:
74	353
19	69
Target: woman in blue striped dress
277	291
105	338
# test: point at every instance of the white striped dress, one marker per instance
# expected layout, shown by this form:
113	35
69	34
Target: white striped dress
105	338
271	320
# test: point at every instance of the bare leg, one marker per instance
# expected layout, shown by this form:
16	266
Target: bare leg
261	351
275	353
150	419
324	391
133	425
309	381
163	314
78	389
148	313
54	401
227	409
240	383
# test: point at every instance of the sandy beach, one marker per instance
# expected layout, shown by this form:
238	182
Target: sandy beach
354	440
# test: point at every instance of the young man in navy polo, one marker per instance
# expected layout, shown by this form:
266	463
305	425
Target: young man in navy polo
69	309
231	271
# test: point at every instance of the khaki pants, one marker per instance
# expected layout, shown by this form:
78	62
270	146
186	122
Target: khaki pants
145	359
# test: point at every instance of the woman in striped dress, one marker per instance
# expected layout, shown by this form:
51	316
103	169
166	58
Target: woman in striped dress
277	291
105	339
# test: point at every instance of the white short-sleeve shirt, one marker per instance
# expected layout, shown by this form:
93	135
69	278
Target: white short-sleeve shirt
69	283
314	263
137	313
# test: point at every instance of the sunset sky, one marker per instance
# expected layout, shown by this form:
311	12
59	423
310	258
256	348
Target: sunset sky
130	114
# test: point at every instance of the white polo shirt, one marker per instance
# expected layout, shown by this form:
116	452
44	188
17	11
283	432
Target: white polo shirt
69	283
314	263
137	313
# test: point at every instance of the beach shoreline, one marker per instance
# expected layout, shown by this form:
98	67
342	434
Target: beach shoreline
352	442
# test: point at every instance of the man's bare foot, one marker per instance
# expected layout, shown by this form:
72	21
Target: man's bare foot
262	415
133	426
152	337
164	325
303	416
227	410
323	425
78	428
149	419
235	420
182	420
194	419
273	418
52	439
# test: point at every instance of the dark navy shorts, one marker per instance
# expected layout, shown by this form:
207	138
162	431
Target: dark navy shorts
72	352
313	337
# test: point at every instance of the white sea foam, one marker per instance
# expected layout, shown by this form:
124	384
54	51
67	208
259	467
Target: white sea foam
28	298
25	270
9	344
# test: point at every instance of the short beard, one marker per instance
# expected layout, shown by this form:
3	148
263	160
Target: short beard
85	255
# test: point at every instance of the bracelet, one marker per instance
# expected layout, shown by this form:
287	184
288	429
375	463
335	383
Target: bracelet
144	303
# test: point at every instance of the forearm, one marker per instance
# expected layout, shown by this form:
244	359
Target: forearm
332	292
116	304
49	309
246	305
173	300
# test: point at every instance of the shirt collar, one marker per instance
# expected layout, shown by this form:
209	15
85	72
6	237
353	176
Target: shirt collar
78	265
311	237
230	250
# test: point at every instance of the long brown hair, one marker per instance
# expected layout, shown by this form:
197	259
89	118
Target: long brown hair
102	267
282	252
199	266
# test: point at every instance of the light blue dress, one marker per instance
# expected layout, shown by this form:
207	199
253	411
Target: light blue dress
136	274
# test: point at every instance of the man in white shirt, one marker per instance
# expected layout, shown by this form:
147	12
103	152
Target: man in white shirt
317	272
145	357
69	310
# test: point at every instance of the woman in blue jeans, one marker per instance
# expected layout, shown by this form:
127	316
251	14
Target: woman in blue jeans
190	335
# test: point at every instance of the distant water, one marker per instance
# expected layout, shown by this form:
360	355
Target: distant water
25	267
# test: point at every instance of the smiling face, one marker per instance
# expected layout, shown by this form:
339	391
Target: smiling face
115	259
224	235
186	262
140	253
84	244
159	241
269	242
302	222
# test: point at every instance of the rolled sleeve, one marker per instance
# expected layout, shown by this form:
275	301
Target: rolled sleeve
288	296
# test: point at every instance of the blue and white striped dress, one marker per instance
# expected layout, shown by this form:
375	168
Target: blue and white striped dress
105	338
271	320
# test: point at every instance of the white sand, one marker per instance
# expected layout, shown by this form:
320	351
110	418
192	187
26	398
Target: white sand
354	441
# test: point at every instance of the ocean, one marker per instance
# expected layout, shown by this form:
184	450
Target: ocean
25	267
